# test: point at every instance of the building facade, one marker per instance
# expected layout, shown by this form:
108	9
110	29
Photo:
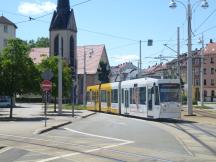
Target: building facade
7	31
94	54
124	71
210	72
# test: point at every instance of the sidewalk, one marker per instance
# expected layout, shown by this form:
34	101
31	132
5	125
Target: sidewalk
203	116
29	118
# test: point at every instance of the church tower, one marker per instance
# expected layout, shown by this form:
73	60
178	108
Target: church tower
63	42
63	33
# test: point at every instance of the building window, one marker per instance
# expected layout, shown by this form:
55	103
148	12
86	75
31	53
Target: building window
212	81
212	70
197	82
5	28
205	93
204	81
212	60
56	45
204	70
212	93
5	42
197	61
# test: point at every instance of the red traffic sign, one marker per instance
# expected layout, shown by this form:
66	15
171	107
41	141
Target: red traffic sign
46	85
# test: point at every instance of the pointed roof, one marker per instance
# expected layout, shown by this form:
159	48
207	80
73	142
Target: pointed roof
93	58
4	20
63	17
63	5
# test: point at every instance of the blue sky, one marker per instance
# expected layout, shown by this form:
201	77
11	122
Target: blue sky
133	20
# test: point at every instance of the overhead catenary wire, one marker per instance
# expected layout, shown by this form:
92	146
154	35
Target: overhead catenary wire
205	20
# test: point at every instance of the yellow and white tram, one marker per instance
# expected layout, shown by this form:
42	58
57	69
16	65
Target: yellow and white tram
145	97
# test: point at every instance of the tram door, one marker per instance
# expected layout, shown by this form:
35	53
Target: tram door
150	101
126	101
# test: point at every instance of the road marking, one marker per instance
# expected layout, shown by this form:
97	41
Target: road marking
5	149
125	142
98	136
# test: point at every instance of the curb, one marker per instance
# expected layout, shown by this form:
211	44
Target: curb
44	130
89	115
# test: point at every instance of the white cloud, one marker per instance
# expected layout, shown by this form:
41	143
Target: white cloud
33	8
126	58
119	59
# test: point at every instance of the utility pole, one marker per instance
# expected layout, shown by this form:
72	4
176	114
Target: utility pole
189	63
201	71
60	77
84	79
178	53
140	60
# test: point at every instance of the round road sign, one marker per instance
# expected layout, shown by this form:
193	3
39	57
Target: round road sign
46	85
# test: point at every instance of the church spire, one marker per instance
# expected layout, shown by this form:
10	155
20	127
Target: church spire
63	6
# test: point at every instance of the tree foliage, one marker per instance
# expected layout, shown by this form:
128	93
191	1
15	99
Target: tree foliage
41	42
51	63
18	73
103	72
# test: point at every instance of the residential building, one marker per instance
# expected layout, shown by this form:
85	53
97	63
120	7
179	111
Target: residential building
172	67
7	31
210	72
156	71
125	71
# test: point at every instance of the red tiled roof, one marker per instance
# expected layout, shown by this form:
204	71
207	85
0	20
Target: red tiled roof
93	57
210	49
155	68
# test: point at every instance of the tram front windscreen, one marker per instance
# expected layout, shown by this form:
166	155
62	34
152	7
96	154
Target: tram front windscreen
169	92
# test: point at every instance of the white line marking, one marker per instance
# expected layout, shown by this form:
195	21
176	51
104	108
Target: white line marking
5	149
125	142
98	136
58	157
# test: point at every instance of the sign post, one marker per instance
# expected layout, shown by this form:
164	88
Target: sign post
46	86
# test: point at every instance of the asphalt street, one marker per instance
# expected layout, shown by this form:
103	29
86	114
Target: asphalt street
110	138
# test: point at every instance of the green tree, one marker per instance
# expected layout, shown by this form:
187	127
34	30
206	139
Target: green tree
40	43
51	63
103	72
19	75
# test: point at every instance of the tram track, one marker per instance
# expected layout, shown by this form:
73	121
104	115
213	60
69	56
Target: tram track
205	114
90	153
201	142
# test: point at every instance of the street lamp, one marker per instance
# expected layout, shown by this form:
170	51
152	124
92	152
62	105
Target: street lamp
201	70
189	60
85	74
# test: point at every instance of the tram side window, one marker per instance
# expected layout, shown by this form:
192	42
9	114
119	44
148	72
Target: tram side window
156	95
114	96
142	91
89	96
122	95
131	95
103	96
93	96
